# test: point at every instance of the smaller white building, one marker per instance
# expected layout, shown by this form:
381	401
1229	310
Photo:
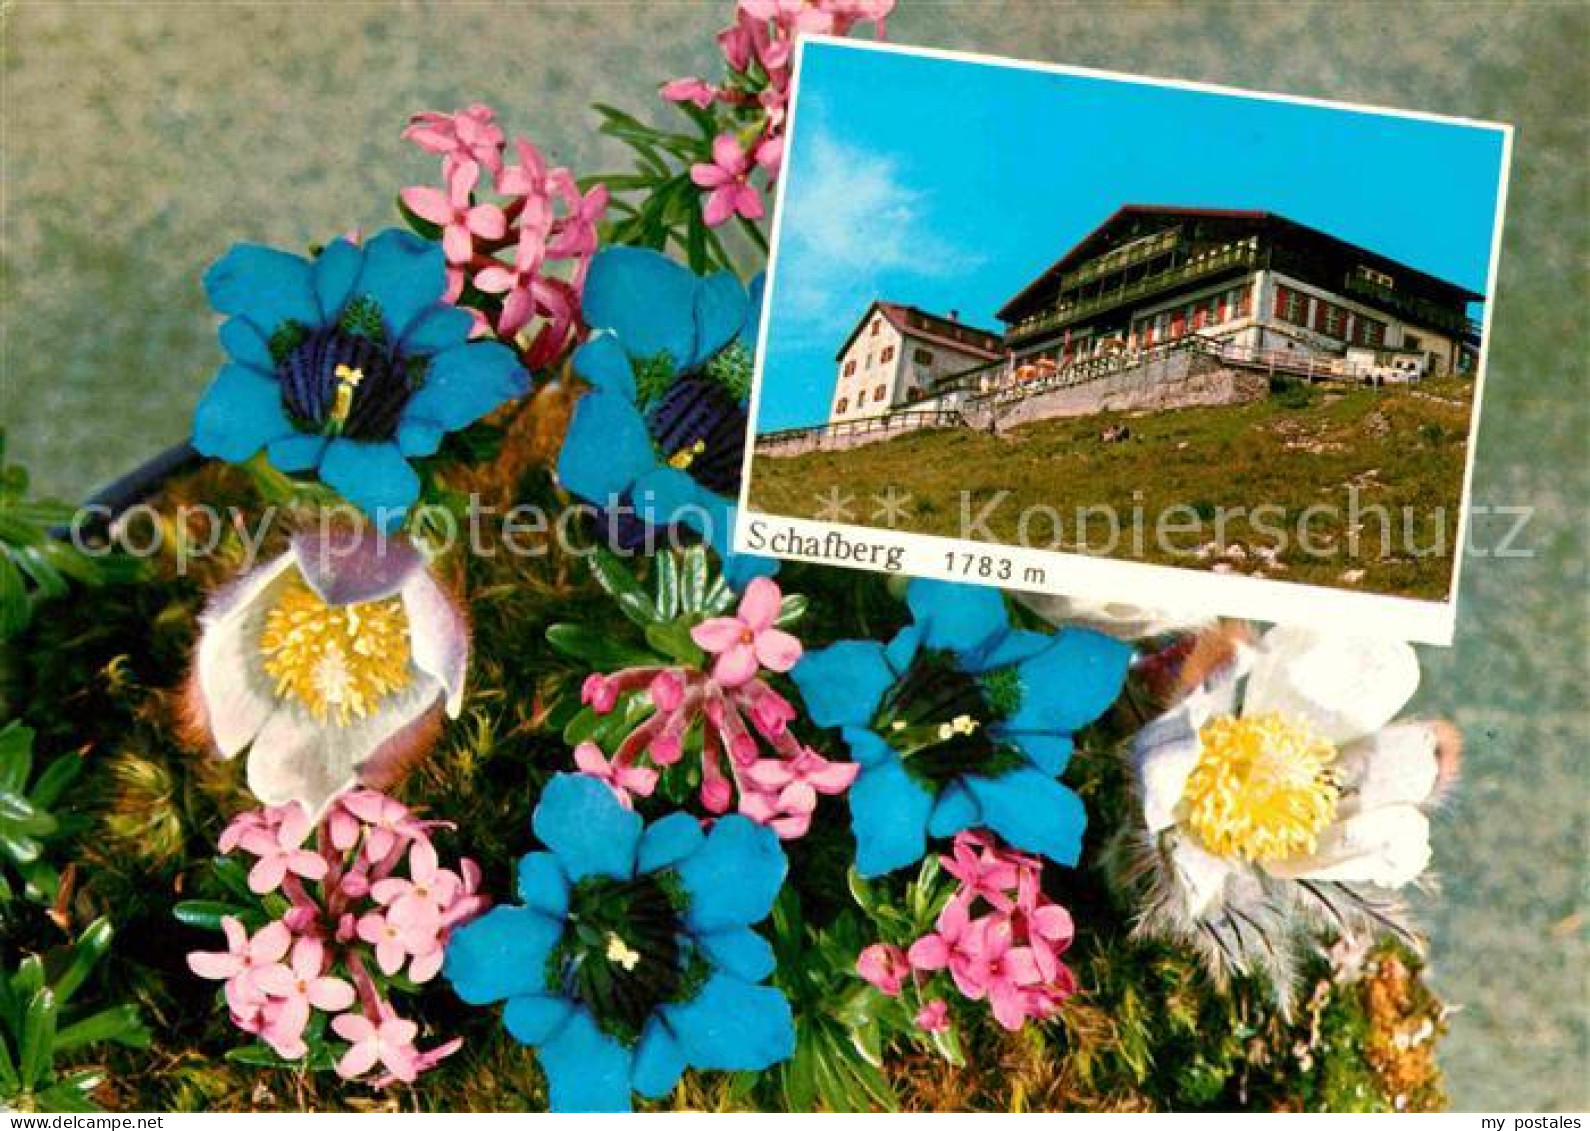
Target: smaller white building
896	356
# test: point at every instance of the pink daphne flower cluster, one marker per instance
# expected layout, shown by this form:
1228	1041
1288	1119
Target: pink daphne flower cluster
999	937
759	48
544	223
733	706
366	897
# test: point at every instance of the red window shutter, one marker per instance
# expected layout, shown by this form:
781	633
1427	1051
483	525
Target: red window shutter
1282	296
1178	324
1245	302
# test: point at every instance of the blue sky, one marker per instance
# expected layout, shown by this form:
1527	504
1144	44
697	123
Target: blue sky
949	184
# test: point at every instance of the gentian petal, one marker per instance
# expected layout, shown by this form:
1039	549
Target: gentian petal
603	362
742	952
962	618
586	1069
889	814
753	311
240	413
437	330
543	886
844	683
465	383
606	450
668	841
534	1019
1071	683
244	344
373	476
298	452
1013	647
335	272
733	1025
1050	753
720	315
404	275
953	810
502	954
659	1061
645	298
266	286
734	877
593	835
1032	812
867	748
903	648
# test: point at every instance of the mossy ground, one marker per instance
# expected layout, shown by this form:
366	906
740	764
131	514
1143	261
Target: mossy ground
1327	459
1148	1031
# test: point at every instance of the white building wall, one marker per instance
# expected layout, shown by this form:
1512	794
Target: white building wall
858	391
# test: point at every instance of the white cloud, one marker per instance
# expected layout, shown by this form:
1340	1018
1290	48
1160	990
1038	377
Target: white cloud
852	219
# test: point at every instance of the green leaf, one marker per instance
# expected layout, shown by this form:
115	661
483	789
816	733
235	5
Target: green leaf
673	640
55	779
16	756
620	584
791	610
601	651
91	946
72	1094
119	1023
38	1039
15	609
10	1082
665	582
693	580
205	914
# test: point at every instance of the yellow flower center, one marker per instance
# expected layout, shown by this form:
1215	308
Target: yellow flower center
1261	789
348	379
338	661
621	952
684	457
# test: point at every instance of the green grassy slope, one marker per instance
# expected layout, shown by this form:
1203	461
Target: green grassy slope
1305	453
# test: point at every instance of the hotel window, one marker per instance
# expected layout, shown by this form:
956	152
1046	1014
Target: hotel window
878	322
1368	332
850	367
1335	321
1200	315
888	355
844	403
1178	324
1291	306
1379	279
879	393
1244	301
923	357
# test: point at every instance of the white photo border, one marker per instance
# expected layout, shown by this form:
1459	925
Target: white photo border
1181	589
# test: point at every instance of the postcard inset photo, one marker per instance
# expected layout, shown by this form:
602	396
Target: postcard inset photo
1124	339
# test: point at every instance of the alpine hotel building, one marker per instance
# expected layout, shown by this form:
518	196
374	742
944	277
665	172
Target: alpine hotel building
1252	283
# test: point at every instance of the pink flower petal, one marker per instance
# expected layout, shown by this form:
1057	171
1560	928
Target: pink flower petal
759	608
719	634
736	666
777	650
428	203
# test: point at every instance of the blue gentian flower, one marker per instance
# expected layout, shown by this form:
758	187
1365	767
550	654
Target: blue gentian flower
662	431
962	720
348	364
632	956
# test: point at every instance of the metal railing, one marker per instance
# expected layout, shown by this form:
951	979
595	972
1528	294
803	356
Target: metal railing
907	421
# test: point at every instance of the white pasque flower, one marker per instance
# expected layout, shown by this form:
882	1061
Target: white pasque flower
1298	775
330	664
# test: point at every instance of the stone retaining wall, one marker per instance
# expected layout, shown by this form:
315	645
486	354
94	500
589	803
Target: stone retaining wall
1178	380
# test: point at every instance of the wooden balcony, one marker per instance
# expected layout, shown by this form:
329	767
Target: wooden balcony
1231	258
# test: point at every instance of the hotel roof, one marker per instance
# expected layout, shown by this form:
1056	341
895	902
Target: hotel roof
1090	245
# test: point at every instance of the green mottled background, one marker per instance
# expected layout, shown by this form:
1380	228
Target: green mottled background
140	140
